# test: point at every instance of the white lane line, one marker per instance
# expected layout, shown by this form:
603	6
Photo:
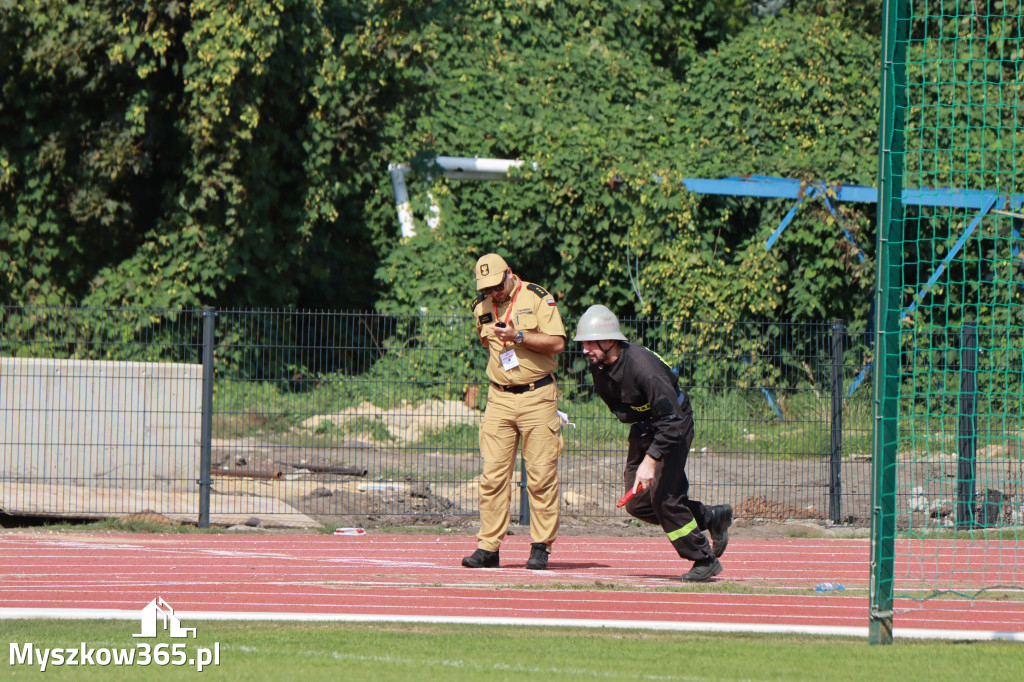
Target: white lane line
840	631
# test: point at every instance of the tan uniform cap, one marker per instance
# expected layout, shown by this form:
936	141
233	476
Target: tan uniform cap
490	270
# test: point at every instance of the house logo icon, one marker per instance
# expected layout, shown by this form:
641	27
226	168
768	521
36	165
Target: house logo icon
159	609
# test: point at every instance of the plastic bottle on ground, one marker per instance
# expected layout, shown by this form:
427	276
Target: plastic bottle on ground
829	587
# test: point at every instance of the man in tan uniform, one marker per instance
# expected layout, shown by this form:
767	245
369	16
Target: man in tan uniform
519	324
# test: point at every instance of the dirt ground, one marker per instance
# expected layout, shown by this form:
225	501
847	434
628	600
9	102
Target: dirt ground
394	486
401	484
403	488
367	482
392	489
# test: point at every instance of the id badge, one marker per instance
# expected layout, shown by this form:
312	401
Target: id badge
509	359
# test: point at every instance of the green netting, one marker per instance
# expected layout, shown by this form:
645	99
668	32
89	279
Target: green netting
949	386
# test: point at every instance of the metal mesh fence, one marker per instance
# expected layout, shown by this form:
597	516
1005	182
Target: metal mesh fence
948	299
316	417
100	411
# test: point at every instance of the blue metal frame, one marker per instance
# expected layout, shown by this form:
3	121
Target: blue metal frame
770	187
989	204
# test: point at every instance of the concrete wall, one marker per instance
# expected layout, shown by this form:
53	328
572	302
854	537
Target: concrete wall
118	424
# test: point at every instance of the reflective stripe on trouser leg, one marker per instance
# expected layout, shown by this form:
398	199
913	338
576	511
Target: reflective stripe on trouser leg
499	440
685	530
688	541
541	431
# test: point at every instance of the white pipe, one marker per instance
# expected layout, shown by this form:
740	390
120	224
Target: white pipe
462	168
405	219
455	168
434	219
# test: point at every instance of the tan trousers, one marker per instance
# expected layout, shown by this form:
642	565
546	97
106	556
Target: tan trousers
509	417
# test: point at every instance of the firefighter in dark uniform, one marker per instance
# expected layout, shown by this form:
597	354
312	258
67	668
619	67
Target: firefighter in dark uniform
519	324
643	391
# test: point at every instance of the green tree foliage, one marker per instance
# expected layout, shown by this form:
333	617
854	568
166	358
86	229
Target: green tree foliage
865	16
571	86
176	154
965	68
168	154
75	189
794	96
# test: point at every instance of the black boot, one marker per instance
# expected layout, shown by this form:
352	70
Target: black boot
703	570
538	556
721	519
481	558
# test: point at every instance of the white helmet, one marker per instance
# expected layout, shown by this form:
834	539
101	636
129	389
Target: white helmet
598	324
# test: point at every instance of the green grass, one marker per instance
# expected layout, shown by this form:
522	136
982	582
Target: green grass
453	436
357	426
118	525
133	526
331	651
986	534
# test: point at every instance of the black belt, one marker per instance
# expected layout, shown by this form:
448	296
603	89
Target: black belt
523	388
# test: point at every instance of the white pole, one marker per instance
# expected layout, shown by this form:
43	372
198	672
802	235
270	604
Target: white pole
405	219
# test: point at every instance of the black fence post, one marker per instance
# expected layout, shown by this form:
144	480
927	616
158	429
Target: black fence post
206	435
835	483
524	498
965	467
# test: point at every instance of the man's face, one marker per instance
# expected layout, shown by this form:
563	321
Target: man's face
593	351
499	292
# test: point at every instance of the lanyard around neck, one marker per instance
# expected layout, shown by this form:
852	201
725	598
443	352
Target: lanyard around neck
511	305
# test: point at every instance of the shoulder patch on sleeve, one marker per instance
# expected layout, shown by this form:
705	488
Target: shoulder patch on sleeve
538	289
486	318
550	301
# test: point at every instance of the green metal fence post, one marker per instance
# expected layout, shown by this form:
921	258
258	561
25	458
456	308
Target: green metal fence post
888	308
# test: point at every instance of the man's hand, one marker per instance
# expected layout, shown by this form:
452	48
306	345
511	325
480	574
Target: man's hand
536	341
505	333
645	473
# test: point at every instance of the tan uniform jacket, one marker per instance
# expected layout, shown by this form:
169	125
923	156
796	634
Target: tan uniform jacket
533	310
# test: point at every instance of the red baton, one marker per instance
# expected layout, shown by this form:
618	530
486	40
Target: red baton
628	496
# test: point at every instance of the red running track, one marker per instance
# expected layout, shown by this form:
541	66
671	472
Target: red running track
767	585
